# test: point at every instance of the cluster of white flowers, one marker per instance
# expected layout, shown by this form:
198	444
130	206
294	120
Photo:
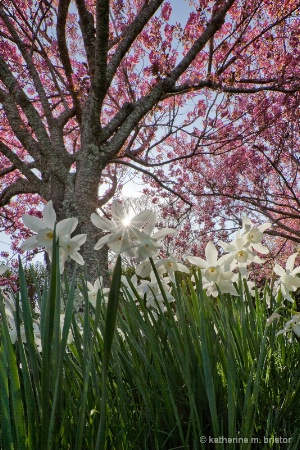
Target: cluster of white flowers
221	273
9	307
138	239
44	230
133	237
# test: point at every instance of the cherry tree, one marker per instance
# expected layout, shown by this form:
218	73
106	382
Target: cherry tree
90	88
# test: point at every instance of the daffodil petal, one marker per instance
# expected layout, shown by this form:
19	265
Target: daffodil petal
102	241
162	233
151	224
33	223
140	219
103	223
291	261
211	254
278	270
117	212
263	227
29	244
49	215
78	258
199	262
260	248
66	226
79	239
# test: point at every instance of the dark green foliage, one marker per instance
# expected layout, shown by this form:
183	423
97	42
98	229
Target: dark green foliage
135	379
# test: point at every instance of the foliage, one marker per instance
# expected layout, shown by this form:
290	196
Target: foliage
202	368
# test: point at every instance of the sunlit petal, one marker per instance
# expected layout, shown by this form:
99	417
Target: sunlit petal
142	218
162	233
117	212
291	261
151	224
103	223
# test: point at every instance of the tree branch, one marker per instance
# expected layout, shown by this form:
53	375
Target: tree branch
62	15
23	101
116	122
129	36
30	65
155	178
213	26
265	30
21	166
10	169
86	22
145	104
20	186
109	195
101	51
65	116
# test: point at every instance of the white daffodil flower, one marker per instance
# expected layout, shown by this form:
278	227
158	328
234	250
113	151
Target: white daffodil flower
36	225
153	293
241	252
291	325
144	269
126	287
146	246
216	271
44	229
288	282
250	284
225	286
122	232
171	265
148	289
3	269
254	235
213	266
93	290
69	247
133	236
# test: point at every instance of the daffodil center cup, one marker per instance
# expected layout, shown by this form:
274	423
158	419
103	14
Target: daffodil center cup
255	236
212	273
241	256
45	237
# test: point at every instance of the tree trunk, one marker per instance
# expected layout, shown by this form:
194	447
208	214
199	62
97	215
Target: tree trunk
79	199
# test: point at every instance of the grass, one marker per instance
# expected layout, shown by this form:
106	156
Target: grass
138	379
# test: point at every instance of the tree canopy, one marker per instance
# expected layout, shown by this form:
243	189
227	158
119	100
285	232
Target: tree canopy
205	109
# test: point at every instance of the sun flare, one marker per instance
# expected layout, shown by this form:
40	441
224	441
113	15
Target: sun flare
126	221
